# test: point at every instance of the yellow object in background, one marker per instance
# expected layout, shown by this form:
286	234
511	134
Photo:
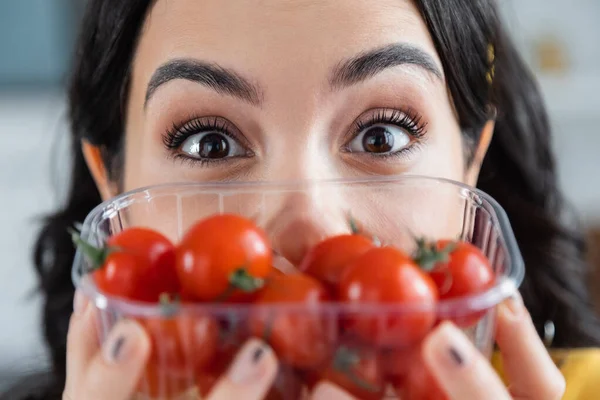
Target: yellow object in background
580	367
551	55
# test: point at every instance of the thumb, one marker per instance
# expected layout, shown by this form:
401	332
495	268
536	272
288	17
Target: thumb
250	376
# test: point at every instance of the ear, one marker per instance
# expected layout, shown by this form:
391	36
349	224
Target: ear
472	174
93	159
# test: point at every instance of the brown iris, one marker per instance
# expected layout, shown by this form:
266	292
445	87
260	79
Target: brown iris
213	146
378	140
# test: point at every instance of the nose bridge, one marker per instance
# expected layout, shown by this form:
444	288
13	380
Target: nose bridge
304	217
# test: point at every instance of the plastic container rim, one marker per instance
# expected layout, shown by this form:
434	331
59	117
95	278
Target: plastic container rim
506	286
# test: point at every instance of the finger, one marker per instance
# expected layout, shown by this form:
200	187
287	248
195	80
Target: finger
250	376
82	340
116	370
530	370
327	391
461	371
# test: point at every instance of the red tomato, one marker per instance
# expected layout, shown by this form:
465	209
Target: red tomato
224	257
328	259
140	266
357	370
388	277
301	338
182	343
467	271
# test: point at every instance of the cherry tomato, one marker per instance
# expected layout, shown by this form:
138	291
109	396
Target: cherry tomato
356	369
302	337
224	257
140	266
467	271
386	276
327	260
182	342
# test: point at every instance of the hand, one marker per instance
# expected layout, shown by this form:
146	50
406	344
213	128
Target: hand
108	373
464	374
112	372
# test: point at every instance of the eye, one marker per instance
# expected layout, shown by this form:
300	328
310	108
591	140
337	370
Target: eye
207	140
211	145
380	139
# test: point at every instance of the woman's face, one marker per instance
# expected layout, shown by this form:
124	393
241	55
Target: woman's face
288	90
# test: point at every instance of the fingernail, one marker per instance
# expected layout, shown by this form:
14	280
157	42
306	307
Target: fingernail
121	342
513	306
80	302
249	365
449	347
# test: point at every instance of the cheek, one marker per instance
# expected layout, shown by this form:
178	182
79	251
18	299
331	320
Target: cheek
442	156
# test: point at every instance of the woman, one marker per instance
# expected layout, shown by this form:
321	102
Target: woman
205	90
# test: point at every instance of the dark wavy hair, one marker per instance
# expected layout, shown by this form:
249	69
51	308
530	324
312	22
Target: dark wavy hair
519	169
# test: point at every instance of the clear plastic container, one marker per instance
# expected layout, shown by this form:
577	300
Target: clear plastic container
394	209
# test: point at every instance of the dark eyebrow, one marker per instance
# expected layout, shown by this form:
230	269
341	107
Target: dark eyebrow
371	63
213	76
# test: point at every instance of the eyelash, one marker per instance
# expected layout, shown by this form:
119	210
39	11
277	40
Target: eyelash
410	121
179	133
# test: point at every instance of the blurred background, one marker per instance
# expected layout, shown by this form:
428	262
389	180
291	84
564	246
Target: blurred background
559	41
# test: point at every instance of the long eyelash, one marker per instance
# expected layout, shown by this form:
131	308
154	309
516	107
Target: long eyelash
409	120
178	133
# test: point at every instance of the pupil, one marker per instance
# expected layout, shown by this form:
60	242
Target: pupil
378	140
214	145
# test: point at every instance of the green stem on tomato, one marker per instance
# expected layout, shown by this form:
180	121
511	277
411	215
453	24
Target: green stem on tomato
344	361
240	279
168	306
428	256
97	256
353	226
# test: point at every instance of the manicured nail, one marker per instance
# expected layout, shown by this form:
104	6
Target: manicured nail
80	302
456	356
513	306
449	347
121	342
249	365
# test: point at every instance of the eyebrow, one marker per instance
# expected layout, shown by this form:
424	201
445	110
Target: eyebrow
219	79
371	63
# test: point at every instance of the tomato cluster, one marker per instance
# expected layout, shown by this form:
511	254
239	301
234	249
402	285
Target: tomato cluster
354	314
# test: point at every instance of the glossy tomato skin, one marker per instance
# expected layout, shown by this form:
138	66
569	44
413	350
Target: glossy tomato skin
388	277
302	338
467	272
140	266
182	342
363	379
212	250
328	260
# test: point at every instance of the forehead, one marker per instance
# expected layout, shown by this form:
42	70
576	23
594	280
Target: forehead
268	35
